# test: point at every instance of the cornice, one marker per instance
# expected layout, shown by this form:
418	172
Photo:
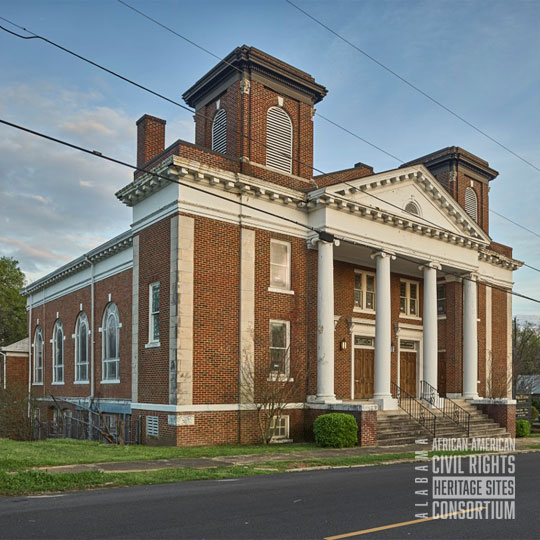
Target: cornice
110	248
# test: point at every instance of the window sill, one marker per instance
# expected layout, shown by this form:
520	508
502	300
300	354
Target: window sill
37	384
284	291
361	310
57	384
441	317
81	382
280	378
110	381
152	345
412	317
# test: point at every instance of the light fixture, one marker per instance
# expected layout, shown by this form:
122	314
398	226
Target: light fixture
343	344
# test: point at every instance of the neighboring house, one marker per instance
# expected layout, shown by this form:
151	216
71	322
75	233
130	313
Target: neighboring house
14	365
528	384
160	322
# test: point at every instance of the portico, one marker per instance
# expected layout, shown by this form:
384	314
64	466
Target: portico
393	342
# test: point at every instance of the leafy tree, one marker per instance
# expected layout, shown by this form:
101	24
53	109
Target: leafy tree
12	304
525	349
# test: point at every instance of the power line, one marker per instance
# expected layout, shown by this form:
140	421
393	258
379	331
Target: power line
200	115
202	48
181	36
240	203
516	224
413	86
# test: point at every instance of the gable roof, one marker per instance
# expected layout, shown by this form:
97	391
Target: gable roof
425	184
20	346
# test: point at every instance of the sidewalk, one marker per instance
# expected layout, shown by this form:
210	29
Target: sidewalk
254	459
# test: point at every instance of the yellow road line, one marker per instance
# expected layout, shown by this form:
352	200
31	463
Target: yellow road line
402	524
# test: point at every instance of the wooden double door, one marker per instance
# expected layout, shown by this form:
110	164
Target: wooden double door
407	371
364	373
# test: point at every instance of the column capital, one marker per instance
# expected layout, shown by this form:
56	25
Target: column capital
471	276
430	264
382	254
312	242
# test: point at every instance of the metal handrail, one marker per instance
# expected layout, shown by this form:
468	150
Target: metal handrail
415	409
448	407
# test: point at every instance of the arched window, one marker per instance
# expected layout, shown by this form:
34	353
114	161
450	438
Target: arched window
111	344
219	132
38	356
471	203
412	208
81	348
278	139
58	353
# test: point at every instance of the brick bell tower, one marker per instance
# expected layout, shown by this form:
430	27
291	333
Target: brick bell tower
256	108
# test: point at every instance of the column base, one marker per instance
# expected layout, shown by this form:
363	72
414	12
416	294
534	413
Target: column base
386	403
323	399
455	395
470	395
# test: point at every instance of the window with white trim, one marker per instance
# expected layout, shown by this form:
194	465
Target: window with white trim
38	356
153	315
110	336
441	299
364	291
58	353
152	426
280	264
279	347
279	427
81	348
408	298
471	203
219	132
279	136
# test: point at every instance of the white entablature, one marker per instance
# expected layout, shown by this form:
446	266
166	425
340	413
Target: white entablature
390	192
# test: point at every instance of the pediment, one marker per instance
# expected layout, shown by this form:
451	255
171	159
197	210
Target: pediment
411	188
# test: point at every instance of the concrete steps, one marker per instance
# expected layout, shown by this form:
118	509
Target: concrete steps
397	428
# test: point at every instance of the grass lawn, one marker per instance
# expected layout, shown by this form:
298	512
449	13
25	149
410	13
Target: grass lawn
16	456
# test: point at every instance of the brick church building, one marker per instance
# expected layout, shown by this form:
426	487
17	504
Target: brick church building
351	286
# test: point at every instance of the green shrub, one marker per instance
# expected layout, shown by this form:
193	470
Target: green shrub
534	413
337	430
523	428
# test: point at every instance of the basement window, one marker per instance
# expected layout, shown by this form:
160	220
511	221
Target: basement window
152	426
280	427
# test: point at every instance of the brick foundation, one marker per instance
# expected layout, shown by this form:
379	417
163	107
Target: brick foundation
502	411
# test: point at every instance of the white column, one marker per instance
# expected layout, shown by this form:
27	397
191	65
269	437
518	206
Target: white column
383	333
470	338
430	324
325	323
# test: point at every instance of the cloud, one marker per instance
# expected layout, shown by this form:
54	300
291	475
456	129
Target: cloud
56	203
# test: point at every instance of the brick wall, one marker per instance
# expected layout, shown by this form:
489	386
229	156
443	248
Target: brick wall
68	308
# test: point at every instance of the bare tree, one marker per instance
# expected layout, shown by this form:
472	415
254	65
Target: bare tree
269	391
525	350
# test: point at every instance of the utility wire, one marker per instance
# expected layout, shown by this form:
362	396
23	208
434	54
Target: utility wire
181	36
346	130
413	86
200	115
241	203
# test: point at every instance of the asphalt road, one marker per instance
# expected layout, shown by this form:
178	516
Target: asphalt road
316	504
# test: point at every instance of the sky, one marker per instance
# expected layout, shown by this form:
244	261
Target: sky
478	58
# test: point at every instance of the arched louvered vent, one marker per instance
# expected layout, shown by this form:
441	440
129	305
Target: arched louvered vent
412	208
278	139
471	203
219	132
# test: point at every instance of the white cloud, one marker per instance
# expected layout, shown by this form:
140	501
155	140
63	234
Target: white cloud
56	203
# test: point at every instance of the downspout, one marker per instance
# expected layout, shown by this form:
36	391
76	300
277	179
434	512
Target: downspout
29	357
92	333
4	370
